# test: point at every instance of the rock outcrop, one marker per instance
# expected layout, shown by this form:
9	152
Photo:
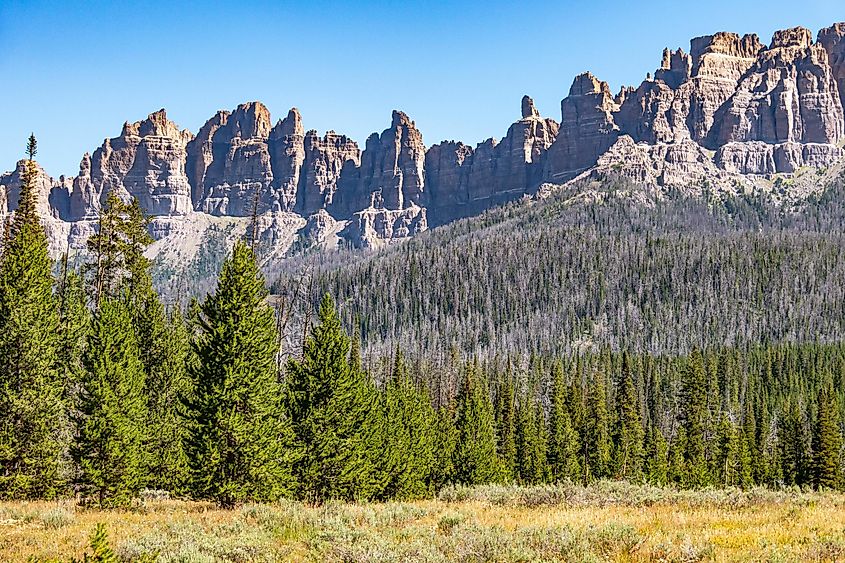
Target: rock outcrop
238	174
587	128
146	161
391	174
287	155
326	158
731	114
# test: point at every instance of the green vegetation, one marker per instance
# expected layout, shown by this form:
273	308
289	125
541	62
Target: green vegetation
106	393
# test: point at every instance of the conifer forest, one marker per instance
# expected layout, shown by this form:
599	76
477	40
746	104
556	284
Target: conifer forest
605	347
425	376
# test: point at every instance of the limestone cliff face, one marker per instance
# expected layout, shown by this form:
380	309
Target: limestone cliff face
788	95
731	113
238	174
463	181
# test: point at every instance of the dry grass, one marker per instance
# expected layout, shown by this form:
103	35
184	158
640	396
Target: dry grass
605	522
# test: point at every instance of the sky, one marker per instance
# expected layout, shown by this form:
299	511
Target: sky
73	72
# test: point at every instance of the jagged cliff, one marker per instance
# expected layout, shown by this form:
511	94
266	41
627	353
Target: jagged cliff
732	114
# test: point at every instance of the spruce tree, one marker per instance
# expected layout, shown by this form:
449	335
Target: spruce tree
596	447
792	441
563	440
238	442
694	413
656	458
506	429
474	458
445	443
827	442
531	444
167	387
332	406
628	433
33	421
728	462
408	432
112	409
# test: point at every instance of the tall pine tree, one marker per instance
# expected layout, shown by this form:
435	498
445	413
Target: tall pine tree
33	423
332	406
238	443
827	442
474	459
112	410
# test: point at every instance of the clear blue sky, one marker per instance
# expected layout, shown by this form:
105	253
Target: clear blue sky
73	72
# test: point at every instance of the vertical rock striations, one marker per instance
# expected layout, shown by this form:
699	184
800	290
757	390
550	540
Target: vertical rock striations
726	113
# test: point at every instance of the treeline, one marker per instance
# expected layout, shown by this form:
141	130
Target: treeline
105	392
553	277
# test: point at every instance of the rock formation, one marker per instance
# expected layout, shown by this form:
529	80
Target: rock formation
731	114
587	128
325	160
146	161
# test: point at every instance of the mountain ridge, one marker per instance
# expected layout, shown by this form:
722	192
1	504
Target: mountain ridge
732	115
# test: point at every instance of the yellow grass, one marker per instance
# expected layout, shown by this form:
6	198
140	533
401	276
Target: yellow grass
606	522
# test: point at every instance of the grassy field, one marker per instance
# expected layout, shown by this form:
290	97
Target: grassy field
604	522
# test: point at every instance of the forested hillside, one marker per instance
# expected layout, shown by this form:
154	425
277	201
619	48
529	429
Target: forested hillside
620	269
105	391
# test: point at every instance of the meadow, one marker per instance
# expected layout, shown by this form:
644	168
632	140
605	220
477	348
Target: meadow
606	521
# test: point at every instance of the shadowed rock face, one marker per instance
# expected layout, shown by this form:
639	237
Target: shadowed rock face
730	110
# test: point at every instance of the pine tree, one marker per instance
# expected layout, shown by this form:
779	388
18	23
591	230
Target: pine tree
475	460
109	446
563	440
408	448
167	387
506	429
792	441
656	454
74	324
629	433
33	421
596	447
331	405
531	448
827	442
694	405
238	443
445	443
106	247
728	460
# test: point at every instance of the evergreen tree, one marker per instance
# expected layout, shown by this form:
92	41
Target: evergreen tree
408	436
167	387
506	429
563	440
531	464
112	409
474	459
239	439
33	422
74	324
596	448
445	443
728	458
792	440
827	442
331	405
694	413
629	433
657	454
